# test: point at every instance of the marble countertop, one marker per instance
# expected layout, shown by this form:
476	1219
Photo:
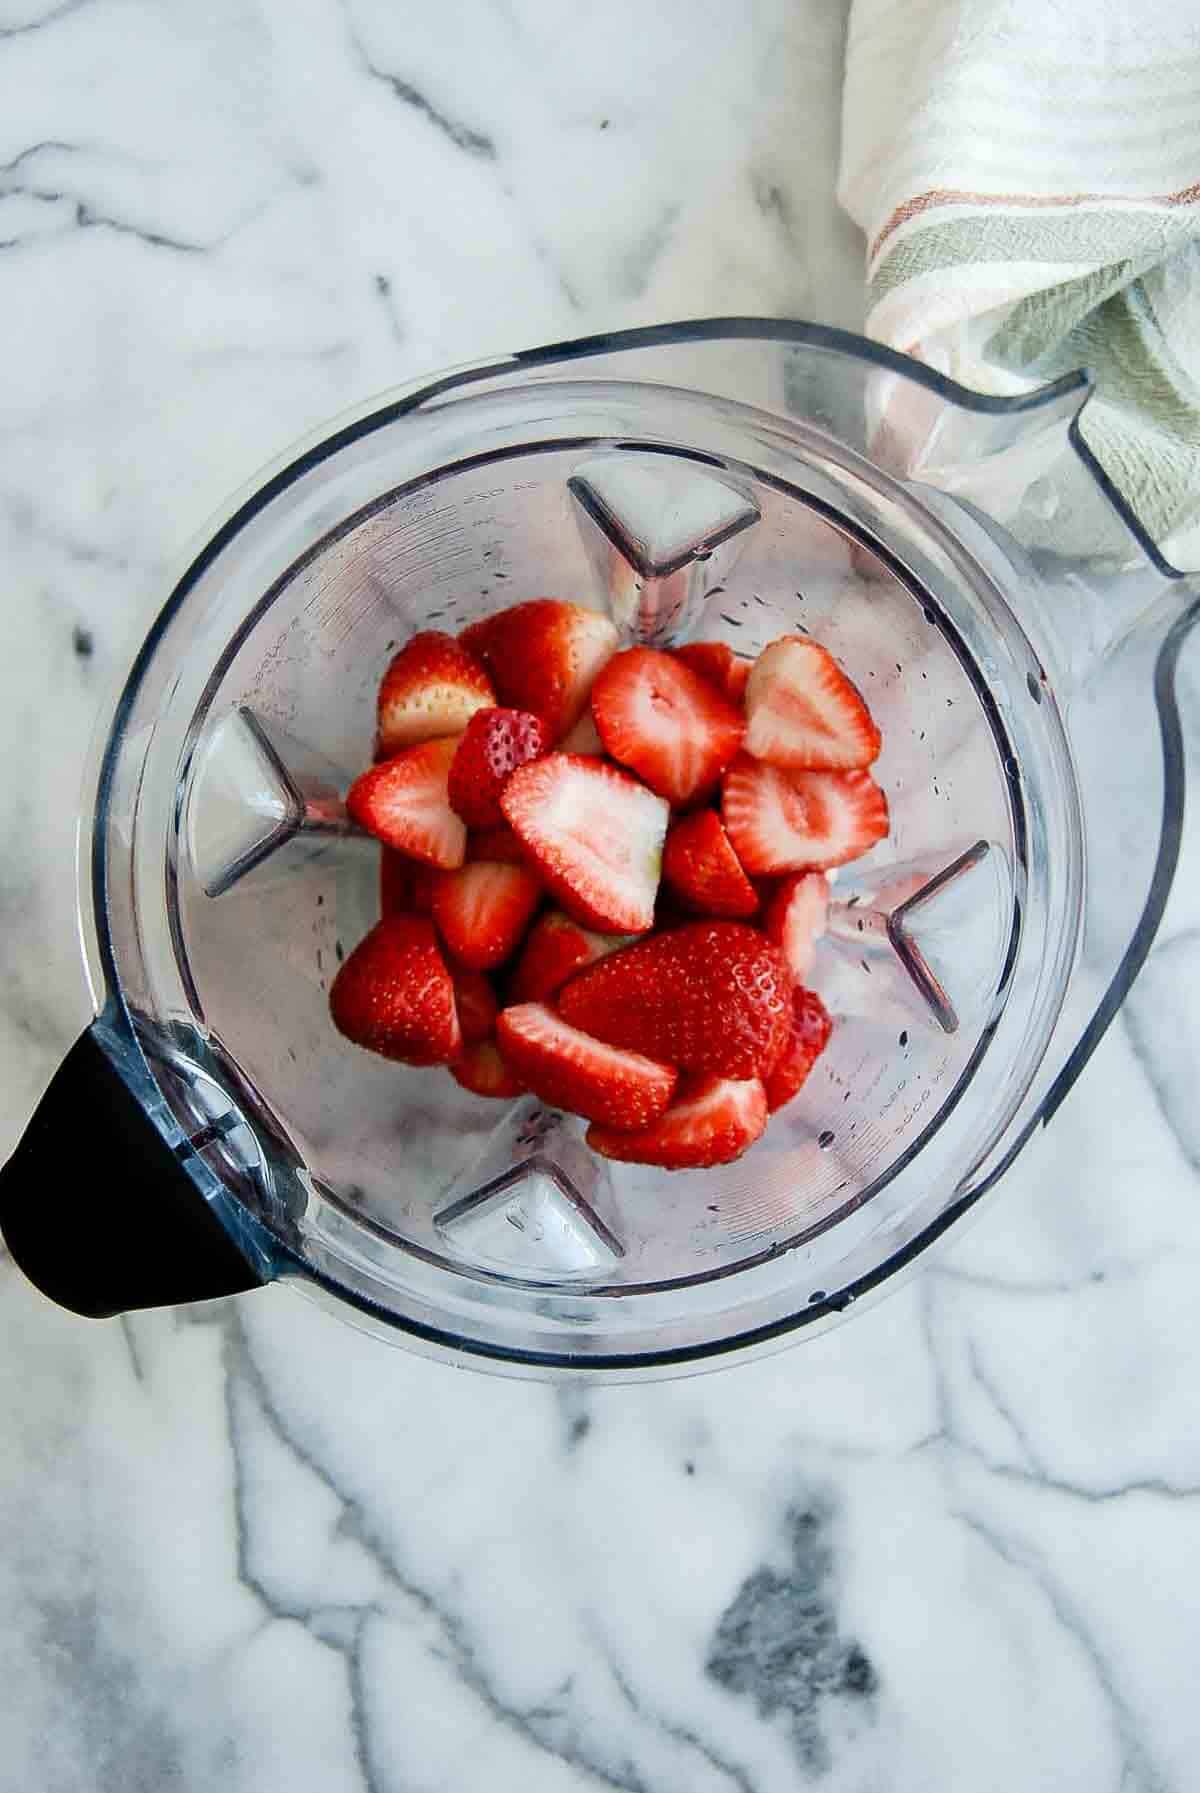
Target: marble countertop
952	1545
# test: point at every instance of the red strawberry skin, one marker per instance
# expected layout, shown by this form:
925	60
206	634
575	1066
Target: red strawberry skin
395	882
711	996
404	803
795	919
781	821
480	1069
498	844
702	870
482	911
394	996
665	722
811	1028
803	713
476	1003
595	836
423	881
719	665
712	1121
496	742
543	656
557	947
567	1069
432	688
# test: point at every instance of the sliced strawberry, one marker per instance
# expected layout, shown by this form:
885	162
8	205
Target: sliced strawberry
800	821
719	665
482	911
496	742
595	836
803	713
394	995
544	656
584	737
702	868
432	688
476	1003
811	1028
403	802
568	1069
795	919
480	1068
710	996
499	844
662	719
713	1121
557	947
395	882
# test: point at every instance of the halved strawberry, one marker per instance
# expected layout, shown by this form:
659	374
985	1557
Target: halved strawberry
476	1003
544	656
557	947
800	821
712	1121
662	719
719	665
710	996
395	882
481	1069
584	737
394	995
498	844
595	836
702	868
803	713
496	742
432	688
482	911
403	802
811	1028
568	1069
795	919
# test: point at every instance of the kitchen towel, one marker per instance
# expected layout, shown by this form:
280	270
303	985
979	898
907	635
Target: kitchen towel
1027	174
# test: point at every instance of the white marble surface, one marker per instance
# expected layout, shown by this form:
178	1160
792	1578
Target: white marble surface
953	1545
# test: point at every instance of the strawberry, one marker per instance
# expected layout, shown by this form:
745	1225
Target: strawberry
482	910
702	870
395	882
496	742
567	1069
556	948
432	687
803	713
713	1121
543	656
481	1069
476	1003
595	836
662	719
499	844
394	996
799	821
584	737
422	882
811	1028
710	996
719	665
795	919
403	803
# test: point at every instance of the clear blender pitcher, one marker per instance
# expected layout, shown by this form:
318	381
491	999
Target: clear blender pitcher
984	586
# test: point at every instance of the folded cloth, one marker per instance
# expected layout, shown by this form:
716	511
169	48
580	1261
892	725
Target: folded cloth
1027	174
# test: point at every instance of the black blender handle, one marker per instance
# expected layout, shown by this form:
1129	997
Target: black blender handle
97	1209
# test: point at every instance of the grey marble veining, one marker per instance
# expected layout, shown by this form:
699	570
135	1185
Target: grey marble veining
952	1545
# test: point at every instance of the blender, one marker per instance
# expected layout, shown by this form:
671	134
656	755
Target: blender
983	584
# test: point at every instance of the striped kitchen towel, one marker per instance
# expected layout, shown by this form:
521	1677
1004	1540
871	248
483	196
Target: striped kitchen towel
1027	174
